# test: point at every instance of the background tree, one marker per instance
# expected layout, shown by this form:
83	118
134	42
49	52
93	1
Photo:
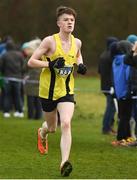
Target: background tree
97	19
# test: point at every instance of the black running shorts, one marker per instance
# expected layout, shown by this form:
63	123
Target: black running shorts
50	105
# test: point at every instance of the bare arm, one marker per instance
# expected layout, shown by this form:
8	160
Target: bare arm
35	59
79	55
81	67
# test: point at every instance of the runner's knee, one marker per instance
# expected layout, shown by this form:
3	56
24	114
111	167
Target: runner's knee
65	124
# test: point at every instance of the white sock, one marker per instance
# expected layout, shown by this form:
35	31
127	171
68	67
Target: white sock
44	130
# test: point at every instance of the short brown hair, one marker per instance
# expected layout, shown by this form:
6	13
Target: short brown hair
65	10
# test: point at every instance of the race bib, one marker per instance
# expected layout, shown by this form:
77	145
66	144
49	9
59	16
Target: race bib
65	71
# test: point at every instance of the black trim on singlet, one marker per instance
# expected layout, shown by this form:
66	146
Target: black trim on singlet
67	84
52	82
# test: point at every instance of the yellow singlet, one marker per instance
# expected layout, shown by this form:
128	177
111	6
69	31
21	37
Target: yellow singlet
59	82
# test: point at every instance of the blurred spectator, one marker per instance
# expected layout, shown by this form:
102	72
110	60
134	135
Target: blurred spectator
11	67
132	38
32	82
121	77
3	42
105	71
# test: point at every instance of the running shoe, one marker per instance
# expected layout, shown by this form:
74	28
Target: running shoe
6	115
131	139
42	144
66	169
122	142
113	131
133	144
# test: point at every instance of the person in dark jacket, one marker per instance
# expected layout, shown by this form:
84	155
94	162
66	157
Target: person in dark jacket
131	59
3	42
125	104
105	71
11	67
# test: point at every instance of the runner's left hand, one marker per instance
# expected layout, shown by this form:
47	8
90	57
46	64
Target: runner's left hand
82	69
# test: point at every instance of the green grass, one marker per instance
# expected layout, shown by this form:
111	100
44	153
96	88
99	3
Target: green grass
92	155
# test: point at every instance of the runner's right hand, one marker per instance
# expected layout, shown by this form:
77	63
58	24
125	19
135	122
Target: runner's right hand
57	63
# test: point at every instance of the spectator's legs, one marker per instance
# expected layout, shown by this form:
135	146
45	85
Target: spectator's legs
30	107
17	96
125	109
38	108
108	118
7	96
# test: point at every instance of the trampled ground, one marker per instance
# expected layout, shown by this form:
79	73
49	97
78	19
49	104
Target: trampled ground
92	155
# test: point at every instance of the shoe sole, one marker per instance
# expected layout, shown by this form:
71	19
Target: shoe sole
133	144
66	169
42	151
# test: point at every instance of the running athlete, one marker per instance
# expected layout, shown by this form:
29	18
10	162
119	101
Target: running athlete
57	55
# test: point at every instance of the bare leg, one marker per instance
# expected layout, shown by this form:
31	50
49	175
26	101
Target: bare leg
66	110
50	125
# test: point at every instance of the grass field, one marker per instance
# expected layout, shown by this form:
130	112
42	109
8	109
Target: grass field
92	155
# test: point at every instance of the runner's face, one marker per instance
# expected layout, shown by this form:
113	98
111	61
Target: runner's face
66	23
